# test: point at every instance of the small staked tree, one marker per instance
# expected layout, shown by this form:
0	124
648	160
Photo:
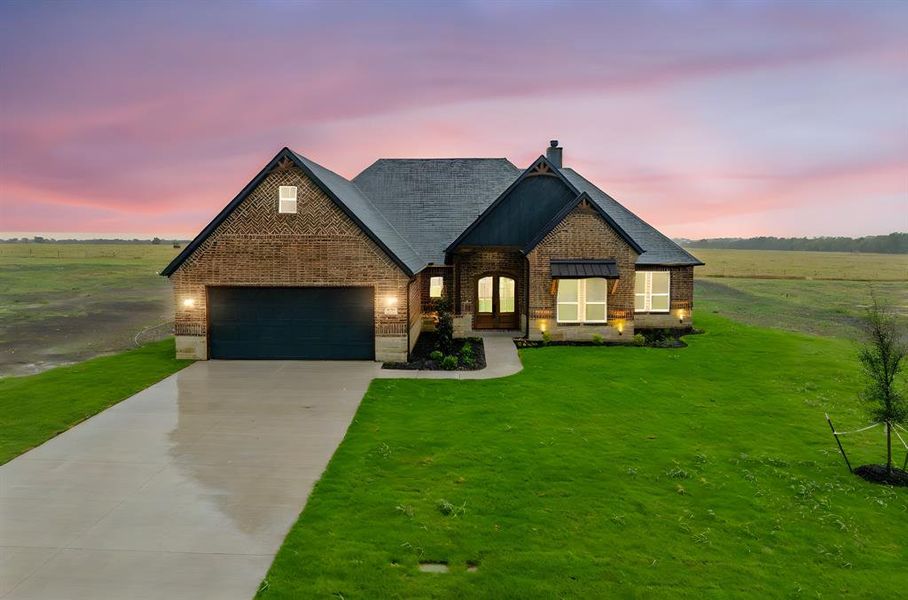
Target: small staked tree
881	359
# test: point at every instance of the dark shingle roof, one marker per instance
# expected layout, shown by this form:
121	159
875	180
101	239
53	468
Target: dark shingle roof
364	210
432	201
658	249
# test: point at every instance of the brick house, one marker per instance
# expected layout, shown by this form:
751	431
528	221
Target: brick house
306	264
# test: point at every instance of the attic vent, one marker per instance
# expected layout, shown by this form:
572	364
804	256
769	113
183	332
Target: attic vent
287	199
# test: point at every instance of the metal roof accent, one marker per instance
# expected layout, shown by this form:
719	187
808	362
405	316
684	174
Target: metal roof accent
582	269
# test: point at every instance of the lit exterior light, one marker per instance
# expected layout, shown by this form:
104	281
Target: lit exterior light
619	325
390	301
189	303
542	325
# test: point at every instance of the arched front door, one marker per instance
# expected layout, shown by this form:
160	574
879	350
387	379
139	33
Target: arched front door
496	303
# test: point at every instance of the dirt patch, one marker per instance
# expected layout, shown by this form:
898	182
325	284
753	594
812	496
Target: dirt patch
82	328
879	474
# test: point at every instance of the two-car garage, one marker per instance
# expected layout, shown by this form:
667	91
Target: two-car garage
301	323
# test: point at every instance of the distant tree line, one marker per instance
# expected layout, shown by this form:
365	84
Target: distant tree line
44	240
894	243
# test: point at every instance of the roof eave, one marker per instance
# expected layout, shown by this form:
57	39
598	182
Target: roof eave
227	210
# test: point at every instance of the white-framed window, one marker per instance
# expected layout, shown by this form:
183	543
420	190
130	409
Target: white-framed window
651	291
436	286
286	199
484	295
582	300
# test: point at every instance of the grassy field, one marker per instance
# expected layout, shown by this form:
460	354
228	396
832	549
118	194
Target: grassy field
609	472
35	408
777	264
62	303
824	293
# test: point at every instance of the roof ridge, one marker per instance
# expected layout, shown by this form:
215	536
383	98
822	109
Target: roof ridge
369	200
633	214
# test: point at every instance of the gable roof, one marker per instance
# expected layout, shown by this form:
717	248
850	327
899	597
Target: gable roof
344	194
657	248
432	201
551	171
566	210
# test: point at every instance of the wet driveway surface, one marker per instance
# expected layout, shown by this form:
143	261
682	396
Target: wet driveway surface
185	490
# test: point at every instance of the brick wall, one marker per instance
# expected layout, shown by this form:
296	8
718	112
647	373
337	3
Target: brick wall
681	297
473	265
317	246
583	234
424	276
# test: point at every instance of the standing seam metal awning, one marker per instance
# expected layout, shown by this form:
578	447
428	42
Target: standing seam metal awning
581	269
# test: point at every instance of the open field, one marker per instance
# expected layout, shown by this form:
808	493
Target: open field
824	293
62	303
707	471
37	407
769	264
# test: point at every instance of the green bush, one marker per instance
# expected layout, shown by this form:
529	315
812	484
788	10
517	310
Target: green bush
449	363
546	338
598	339
467	355
639	340
436	355
445	326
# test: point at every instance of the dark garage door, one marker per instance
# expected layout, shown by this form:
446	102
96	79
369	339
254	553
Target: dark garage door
291	323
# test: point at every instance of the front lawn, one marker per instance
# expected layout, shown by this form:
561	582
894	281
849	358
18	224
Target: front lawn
604	472
35	408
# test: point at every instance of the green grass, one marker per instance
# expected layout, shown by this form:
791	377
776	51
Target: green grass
829	308
62	303
764	264
609	472
35	408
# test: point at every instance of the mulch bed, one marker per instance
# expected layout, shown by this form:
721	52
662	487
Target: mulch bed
653	338
427	343
878	474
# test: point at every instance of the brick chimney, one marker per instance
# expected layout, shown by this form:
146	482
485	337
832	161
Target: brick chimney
553	153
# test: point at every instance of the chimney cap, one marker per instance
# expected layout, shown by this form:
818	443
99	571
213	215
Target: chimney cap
553	143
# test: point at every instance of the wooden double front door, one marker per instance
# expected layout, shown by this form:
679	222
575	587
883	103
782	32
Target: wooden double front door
496	303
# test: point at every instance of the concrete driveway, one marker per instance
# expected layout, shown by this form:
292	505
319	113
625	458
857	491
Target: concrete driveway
185	490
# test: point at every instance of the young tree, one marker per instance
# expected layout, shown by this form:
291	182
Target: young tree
881	358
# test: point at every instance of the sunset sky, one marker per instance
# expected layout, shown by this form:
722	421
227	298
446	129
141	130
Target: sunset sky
707	119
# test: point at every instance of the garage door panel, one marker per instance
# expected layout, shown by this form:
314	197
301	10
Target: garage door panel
291	323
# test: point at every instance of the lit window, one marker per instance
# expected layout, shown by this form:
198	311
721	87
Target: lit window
436	286
651	291
286	199
506	288
582	300
484	295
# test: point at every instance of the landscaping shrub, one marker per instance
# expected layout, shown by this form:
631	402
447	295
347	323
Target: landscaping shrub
449	363
436	355
445	326
598	339
546	338
639	340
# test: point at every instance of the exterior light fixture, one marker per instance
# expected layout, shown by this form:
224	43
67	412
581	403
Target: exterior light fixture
188	302
619	325
542	325
391	306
